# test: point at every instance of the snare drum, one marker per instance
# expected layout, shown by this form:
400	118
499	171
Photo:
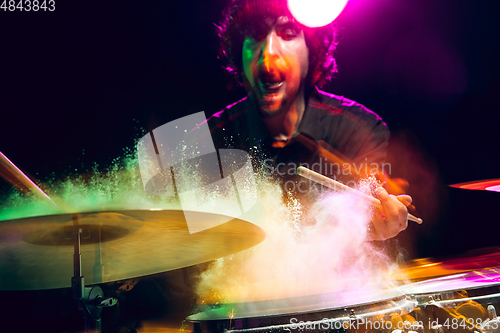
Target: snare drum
354	311
456	303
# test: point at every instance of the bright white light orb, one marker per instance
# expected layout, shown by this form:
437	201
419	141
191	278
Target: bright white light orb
316	13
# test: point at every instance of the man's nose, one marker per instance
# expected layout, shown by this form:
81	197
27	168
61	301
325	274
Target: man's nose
270	51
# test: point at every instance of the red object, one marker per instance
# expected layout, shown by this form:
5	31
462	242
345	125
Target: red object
485	185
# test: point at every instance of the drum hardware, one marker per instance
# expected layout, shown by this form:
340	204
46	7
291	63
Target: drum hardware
458	302
91	300
492	324
453	303
492	313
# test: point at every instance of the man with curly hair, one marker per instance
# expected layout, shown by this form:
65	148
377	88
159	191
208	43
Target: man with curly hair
282	64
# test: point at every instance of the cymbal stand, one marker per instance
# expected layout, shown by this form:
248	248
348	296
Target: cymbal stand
91	300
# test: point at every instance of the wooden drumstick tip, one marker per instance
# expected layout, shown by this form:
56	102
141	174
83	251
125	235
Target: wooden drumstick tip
415	219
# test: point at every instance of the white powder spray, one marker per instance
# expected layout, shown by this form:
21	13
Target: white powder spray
297	259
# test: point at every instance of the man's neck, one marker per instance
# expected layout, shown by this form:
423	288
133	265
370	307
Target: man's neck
284	125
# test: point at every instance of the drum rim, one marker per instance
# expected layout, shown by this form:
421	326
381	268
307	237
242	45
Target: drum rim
391	302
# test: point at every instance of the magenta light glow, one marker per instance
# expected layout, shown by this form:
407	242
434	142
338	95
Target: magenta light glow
316	13
487	184
493	188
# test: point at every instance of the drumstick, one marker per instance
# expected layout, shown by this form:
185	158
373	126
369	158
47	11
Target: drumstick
16	174
335	185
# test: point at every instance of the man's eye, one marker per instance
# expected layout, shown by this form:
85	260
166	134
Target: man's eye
288	34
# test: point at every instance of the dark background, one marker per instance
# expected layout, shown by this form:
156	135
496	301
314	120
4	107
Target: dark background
80	84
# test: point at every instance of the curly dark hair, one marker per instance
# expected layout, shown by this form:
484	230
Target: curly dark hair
241	17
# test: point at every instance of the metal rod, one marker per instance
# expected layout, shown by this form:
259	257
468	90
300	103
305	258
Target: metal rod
18	175
77	282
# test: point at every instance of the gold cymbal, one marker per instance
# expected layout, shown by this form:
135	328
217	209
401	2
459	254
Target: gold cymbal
37	252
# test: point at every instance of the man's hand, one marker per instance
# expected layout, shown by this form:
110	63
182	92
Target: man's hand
391	217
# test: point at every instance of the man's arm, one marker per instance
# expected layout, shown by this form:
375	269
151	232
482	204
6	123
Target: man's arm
391	216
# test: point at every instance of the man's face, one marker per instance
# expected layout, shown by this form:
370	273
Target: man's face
275	62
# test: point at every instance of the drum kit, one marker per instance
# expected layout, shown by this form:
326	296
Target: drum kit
84	250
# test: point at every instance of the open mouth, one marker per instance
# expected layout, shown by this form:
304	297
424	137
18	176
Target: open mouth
271	86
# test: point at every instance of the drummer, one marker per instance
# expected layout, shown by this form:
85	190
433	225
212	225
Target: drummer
282	64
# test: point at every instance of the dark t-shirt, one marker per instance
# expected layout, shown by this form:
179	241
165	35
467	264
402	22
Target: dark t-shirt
344	127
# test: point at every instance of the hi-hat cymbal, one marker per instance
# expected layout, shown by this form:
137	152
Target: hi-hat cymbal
37	252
